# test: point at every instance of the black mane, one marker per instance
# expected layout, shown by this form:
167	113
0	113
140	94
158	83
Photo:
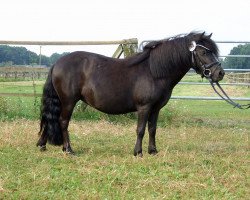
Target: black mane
172	54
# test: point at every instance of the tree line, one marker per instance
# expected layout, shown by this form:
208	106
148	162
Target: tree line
10	56
238	63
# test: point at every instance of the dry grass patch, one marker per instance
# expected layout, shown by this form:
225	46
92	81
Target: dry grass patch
87	127
201	90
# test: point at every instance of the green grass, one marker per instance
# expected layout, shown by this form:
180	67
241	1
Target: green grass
19	107
29	107
193	163
21	87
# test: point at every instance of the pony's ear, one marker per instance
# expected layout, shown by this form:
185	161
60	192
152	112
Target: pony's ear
202	35
197	37
209	36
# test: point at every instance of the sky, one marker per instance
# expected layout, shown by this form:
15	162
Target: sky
82	20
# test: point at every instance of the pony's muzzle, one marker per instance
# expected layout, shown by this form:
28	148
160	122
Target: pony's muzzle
221	74
218	73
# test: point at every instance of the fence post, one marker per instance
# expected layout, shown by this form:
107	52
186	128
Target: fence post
129	49
118	52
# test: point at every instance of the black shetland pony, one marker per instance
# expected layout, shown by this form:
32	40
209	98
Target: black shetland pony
142	83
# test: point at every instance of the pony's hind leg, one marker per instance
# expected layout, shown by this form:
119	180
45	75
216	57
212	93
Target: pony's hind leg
42	142
64	123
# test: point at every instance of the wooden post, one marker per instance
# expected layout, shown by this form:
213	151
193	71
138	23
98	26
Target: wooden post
127	48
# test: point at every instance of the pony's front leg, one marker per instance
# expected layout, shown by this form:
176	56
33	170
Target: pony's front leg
152	123
141	124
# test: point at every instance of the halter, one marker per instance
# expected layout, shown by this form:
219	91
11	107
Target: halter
204	68
206	72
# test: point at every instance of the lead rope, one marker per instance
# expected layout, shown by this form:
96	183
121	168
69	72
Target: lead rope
227	99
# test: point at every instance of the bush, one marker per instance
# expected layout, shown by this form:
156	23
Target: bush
3	106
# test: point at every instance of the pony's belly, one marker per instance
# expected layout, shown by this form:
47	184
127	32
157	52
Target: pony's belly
115	108
109	101
117	112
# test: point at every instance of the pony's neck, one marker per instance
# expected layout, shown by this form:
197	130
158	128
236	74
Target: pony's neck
170	59
176	77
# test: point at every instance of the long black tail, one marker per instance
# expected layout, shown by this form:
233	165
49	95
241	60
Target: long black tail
50	113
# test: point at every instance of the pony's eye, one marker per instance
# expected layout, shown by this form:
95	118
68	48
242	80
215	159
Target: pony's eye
204	52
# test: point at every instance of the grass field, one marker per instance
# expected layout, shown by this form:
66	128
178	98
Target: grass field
203	152
194	162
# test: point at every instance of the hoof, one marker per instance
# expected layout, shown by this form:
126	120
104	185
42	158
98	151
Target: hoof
68	151
140	155
152	151
42	148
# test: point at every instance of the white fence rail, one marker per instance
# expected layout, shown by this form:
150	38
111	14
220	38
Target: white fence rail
48	43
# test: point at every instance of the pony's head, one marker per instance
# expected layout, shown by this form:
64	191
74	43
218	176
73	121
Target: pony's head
204	54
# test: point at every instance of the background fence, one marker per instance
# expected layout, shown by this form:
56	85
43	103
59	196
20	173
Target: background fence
234	77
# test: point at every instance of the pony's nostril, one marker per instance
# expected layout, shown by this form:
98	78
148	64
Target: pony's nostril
221	73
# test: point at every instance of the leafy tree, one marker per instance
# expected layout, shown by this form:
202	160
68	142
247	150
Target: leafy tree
45	60
17	55
21	56
55	56
238	63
